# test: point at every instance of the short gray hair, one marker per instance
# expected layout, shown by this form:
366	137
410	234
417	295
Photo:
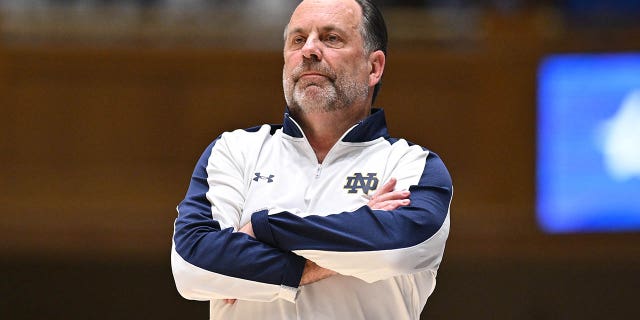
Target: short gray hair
374	33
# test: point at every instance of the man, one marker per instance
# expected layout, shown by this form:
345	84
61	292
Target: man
326	216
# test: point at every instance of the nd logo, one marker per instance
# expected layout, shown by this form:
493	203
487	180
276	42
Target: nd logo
364	183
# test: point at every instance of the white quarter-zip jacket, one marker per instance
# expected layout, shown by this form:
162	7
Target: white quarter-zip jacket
299	209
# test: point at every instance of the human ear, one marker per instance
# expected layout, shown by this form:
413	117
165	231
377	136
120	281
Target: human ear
377	60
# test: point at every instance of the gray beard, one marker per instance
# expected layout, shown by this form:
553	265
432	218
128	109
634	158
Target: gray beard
336	95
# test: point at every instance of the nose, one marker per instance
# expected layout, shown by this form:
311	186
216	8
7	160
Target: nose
311	49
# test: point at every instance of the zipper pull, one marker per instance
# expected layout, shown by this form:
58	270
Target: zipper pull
318	171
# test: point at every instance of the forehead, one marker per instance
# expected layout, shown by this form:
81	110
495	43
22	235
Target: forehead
342	14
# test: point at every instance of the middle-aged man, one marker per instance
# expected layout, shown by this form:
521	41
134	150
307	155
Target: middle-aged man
325	216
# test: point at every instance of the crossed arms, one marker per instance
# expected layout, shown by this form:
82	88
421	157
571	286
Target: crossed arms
385	198
397	232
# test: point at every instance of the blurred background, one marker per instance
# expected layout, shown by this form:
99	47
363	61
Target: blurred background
105	106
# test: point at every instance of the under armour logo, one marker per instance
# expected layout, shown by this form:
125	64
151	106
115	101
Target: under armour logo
358	181
259	177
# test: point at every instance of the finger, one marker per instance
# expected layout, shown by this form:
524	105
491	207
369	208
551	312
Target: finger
382	205
395	195
230	301
387	187
397	204
391	204
248	229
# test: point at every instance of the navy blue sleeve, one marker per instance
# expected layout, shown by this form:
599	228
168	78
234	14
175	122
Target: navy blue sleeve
201	242
365	229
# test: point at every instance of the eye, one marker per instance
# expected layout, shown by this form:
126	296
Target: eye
332	38
298	40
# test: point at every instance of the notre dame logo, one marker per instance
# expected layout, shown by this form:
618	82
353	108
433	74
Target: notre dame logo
365	183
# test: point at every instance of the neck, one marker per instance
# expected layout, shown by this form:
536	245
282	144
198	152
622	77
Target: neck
324	129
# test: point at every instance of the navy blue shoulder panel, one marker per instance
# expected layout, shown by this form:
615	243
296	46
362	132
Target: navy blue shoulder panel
198	187
409	143
272	131
290	128
371	128
436	173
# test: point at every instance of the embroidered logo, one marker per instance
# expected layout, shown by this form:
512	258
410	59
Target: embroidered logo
365	183
259	177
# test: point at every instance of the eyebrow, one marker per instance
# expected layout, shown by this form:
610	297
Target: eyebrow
323	29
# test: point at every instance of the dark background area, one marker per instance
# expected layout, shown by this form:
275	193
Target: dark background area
101	125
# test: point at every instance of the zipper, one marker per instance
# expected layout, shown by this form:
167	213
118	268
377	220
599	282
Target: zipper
318	170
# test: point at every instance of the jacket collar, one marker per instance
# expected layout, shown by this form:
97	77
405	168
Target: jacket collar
372	127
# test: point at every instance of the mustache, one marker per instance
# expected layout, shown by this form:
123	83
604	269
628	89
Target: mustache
312	66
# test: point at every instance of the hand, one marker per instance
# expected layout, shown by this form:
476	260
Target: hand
313	273
387	199
248	229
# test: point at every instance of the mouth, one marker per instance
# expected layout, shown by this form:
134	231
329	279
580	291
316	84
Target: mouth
312	75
